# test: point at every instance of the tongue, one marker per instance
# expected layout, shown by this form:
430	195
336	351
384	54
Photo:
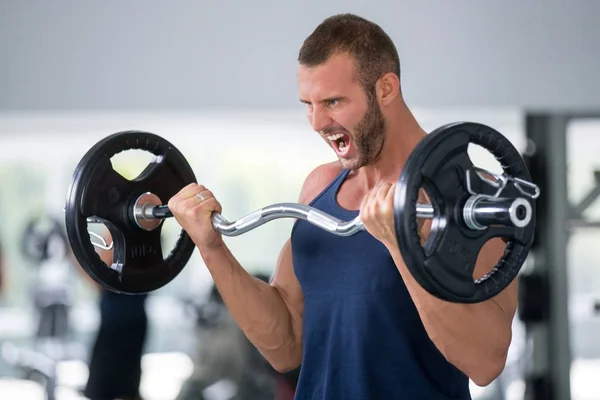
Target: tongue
343	143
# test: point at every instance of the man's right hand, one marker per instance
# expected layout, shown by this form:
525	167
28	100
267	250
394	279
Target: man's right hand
193	207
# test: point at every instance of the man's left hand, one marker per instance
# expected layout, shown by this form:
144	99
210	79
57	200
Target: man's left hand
377	214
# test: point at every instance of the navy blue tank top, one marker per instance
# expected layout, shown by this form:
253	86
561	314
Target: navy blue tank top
363	338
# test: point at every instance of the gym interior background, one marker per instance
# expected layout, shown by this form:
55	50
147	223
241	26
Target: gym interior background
218	81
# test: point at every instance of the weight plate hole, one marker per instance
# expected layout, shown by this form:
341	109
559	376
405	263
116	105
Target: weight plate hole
131	163
483	158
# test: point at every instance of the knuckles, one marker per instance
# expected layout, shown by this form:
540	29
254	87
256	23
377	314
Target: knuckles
190	212
377	205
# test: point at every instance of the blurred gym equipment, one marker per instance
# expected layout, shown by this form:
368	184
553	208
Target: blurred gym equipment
44	244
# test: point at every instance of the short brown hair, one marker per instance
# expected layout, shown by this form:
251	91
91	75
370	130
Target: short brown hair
372	49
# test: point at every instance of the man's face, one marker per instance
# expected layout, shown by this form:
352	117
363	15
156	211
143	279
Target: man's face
341	112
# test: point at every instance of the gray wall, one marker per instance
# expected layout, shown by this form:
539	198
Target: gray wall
148	54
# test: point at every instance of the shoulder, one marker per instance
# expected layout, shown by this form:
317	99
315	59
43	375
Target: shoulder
318	179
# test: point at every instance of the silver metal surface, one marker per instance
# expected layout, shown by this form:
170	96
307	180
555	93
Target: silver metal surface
480	209
142	211
145	219
499	182
469	213
425	211
286	210
103	243
514	215
302	212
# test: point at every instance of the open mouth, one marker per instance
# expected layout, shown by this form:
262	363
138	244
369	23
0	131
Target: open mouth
340	142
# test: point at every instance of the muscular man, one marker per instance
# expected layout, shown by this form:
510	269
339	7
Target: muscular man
347	307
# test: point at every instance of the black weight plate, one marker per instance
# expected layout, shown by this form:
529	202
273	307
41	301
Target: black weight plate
444	266
98	191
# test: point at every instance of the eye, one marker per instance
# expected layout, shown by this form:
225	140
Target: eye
307	104
333	102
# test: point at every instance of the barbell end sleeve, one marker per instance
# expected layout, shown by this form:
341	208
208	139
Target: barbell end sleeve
480	212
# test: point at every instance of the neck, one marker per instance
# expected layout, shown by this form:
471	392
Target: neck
402	135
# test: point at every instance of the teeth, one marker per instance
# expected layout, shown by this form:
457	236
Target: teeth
336	136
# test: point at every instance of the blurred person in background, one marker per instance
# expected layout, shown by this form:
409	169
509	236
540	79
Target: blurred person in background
115	368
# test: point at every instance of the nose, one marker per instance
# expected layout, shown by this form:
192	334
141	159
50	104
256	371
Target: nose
319	119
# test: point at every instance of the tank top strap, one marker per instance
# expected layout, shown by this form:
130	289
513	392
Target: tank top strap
333	186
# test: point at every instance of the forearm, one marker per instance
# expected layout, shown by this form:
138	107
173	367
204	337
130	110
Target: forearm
259	309
473	337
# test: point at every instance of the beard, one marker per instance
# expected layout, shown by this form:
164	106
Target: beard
367	137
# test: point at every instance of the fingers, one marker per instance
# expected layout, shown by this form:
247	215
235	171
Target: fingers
383	191
206	200
389	196
190	191
379	200
192	197
377	213
201	196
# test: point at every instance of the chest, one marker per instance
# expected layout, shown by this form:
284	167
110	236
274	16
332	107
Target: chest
329	265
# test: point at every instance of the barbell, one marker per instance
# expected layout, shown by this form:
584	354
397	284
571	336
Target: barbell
469	206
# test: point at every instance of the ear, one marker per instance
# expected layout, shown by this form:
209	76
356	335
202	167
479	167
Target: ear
388	88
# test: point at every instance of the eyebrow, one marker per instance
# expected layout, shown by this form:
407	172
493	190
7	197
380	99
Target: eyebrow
325	100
